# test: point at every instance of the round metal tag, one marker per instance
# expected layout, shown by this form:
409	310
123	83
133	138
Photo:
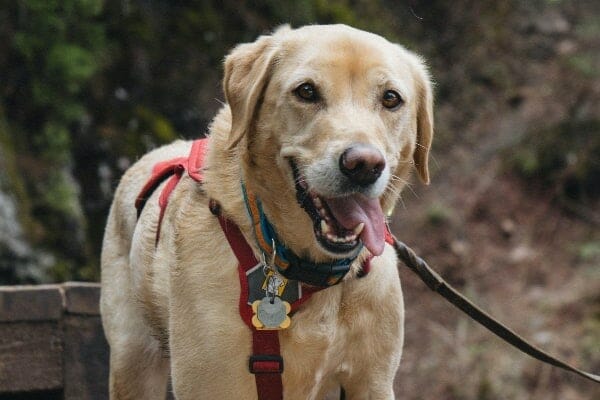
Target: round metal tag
271	315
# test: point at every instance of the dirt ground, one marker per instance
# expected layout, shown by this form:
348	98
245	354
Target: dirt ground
508	243
521	258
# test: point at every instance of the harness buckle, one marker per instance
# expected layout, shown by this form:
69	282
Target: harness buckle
265	364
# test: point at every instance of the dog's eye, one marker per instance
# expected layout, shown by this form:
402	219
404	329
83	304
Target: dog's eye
307	92
391	99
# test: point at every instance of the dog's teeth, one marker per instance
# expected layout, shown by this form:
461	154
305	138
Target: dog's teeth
358	228
317	202
325	228
333	238
337	239
323	213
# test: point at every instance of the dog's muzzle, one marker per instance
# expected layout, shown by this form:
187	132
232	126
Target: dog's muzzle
341	223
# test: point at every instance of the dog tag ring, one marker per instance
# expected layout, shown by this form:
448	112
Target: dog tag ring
271	313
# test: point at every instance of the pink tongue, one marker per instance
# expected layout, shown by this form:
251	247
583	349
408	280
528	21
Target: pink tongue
351	211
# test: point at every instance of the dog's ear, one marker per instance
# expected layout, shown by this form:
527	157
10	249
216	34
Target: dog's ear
247	70
424	120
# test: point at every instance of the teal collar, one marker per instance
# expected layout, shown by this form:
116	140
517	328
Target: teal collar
285	260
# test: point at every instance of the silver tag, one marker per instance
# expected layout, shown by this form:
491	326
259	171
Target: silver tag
271	315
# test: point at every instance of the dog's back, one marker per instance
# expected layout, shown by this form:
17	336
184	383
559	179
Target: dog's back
128	272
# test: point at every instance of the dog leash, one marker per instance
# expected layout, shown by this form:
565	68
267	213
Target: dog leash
436	283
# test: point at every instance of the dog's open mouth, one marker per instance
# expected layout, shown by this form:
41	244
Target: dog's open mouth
342	223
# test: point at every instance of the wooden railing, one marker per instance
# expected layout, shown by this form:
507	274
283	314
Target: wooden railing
51	343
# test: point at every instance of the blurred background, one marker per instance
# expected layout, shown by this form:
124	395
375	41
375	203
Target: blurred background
512	215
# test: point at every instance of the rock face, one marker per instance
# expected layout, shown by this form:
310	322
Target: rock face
15	252
18	261
39	228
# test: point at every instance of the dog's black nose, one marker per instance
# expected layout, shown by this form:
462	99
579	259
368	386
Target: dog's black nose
362	163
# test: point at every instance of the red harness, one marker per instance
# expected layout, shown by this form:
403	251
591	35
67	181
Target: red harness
266	362
172	168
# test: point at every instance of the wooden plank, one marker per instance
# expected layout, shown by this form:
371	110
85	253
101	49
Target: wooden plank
30	356
85	359
82	298
31	303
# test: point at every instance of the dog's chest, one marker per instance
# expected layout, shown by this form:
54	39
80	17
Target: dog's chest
334	332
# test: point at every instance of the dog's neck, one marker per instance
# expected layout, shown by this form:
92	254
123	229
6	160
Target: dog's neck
223	184
283	259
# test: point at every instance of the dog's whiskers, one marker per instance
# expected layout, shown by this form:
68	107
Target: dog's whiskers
395	178
395	191
398	179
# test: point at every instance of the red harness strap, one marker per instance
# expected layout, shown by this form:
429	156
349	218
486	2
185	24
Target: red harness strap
172	168
265	362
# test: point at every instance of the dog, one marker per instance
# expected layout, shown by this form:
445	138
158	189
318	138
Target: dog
323	124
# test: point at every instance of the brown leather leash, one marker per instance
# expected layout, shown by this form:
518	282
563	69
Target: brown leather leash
436	283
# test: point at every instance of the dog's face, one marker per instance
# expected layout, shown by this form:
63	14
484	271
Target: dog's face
330	119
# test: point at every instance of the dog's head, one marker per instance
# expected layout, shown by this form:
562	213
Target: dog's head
329	121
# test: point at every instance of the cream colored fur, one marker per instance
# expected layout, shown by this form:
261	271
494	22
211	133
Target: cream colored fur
174	308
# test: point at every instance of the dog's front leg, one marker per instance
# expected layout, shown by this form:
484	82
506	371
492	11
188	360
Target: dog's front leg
210	361
369	391
374	383
208	339
377	332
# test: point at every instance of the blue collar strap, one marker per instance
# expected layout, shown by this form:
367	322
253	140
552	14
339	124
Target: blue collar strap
285	261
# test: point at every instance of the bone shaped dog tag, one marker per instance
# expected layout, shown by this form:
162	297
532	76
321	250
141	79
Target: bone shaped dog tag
271	313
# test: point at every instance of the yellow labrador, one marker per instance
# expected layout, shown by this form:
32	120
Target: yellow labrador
323	124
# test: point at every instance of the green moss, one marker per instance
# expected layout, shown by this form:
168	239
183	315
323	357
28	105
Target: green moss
335	11
61	194
438	214
585	64
55	143
589	251
65	269
563	158
588	27
89	272
590	342
485	389
62	271
159	126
